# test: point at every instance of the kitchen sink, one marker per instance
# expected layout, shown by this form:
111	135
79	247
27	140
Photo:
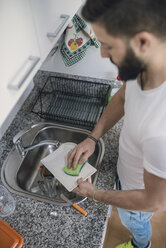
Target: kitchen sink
24	174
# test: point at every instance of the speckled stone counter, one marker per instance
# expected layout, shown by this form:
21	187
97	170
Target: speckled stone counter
32	219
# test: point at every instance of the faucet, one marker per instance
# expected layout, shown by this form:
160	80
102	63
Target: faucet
17	140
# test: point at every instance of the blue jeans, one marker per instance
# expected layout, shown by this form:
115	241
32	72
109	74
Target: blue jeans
138	223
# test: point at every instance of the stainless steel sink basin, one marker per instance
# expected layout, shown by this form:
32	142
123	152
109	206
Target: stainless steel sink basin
26	175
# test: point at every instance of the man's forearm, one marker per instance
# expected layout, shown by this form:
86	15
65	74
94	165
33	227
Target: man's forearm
134	200
111	115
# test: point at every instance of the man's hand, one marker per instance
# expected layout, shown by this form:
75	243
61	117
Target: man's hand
85	188
85	148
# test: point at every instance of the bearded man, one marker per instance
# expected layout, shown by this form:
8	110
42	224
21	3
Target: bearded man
133	35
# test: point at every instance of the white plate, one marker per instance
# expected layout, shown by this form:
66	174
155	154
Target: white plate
56	161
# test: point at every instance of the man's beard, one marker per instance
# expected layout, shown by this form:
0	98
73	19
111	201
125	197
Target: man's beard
131	66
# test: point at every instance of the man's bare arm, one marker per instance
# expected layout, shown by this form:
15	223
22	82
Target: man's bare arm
150	199
111	115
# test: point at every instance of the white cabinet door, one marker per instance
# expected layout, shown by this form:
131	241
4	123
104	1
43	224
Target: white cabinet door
19	53
51	17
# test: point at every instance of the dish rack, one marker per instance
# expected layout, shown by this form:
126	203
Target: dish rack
73	101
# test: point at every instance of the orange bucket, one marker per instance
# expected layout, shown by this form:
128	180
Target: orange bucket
9	238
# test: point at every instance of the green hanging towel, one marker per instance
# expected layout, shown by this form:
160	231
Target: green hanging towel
78	37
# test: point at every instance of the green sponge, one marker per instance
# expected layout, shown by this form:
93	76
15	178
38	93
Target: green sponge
71	172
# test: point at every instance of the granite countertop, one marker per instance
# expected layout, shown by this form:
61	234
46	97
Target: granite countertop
32	219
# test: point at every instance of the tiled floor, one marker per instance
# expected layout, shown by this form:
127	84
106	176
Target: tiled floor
117	234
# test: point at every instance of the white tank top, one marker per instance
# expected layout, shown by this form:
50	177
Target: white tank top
142	143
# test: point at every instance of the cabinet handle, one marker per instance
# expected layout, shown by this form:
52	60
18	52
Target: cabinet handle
65	18
26	69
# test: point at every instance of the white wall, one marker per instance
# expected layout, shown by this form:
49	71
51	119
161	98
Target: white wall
92	65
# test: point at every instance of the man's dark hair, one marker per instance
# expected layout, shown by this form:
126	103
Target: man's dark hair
128	17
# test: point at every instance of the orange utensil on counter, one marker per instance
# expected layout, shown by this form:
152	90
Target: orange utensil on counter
74	205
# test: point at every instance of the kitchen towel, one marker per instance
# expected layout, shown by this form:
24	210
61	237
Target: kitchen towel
78	37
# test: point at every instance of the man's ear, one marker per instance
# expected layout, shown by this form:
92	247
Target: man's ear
141	42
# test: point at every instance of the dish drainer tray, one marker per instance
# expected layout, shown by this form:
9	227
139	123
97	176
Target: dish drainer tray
73	101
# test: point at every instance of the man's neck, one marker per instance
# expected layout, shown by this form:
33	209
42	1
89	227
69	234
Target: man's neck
152	78
155	73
